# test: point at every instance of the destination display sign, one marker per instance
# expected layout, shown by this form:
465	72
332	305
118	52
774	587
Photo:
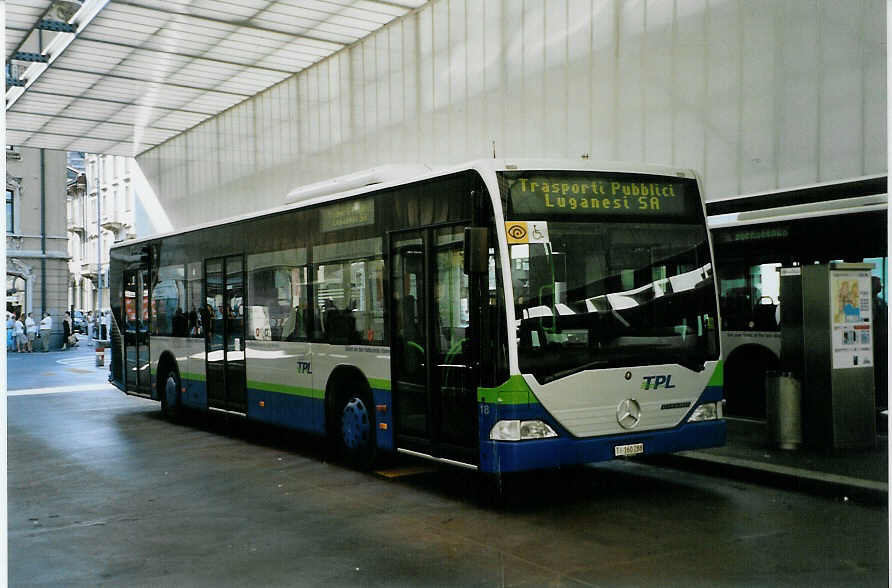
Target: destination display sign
534	194
346	215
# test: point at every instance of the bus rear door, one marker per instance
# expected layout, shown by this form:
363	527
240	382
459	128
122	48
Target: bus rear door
136	332
225	333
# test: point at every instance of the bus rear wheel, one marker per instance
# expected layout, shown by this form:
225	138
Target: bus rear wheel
170	395
356	431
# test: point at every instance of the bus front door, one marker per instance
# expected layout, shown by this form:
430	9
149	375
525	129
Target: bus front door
136	332
433	383
225	333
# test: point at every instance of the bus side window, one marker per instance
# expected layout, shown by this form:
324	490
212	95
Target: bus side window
168	302
277	296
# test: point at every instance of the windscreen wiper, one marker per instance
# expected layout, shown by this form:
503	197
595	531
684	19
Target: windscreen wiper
693	364
581	368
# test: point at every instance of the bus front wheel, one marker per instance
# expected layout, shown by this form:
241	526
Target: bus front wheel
170	395
356	431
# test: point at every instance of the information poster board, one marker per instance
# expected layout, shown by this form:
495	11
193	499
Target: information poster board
851	320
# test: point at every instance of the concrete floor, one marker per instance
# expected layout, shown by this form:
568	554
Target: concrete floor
103	491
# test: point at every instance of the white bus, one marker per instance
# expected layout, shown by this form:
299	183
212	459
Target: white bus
754	236
500	315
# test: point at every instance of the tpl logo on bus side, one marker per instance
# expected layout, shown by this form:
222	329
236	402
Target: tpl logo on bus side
656	382
303	367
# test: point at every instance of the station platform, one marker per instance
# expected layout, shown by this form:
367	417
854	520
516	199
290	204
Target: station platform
749	454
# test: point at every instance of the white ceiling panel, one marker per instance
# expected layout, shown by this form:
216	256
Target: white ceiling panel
112	131
68	126
20	120
178	119
92	110
48	141
37	102
14	137
89	145
139	72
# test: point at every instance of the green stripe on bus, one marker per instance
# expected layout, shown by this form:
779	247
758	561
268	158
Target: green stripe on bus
379	384
718	376
514	391
193	377
283	389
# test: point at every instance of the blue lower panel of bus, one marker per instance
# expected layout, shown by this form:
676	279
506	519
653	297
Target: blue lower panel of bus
506	456
306	413
294	411
196	394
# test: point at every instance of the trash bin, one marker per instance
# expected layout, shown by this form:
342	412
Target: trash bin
783	409
100	356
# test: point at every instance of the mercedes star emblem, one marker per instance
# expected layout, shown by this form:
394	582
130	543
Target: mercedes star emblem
628	413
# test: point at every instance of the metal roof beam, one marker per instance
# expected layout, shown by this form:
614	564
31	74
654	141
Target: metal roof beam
56	47
30	57
46	24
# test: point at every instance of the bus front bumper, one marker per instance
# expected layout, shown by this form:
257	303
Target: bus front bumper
515	456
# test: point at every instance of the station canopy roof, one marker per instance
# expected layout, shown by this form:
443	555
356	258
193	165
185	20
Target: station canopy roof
121	76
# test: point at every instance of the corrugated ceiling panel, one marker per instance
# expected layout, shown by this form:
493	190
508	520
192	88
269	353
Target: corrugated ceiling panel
19	120
230	11
72	82
112	131
389	7
120	15
69	126
129	31
92	109
178	120
151	135
173	66
211	103
49	141
204	76
90	145
17	137
42	103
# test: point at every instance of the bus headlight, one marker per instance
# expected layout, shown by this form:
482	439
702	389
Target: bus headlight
520	431
706	412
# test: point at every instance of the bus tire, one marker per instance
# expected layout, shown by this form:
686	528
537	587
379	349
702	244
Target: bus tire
171	399
355	430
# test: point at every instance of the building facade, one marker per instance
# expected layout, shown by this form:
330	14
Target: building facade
36	240
100	209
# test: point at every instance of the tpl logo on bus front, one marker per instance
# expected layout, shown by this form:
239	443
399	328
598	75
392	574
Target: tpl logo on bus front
656	382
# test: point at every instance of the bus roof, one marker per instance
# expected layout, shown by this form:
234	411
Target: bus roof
865	194
797	195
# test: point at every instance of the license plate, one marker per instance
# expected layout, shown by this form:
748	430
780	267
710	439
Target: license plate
626	450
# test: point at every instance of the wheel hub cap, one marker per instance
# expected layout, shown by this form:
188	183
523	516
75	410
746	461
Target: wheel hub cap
355	424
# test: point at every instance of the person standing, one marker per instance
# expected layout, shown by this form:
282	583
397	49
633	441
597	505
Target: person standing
30	331
66	331
108	326
46	328
89	321
10	331
21	341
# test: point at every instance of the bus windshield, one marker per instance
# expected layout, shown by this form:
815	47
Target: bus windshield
611	290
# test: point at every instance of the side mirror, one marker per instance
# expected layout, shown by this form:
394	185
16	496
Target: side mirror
476	250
